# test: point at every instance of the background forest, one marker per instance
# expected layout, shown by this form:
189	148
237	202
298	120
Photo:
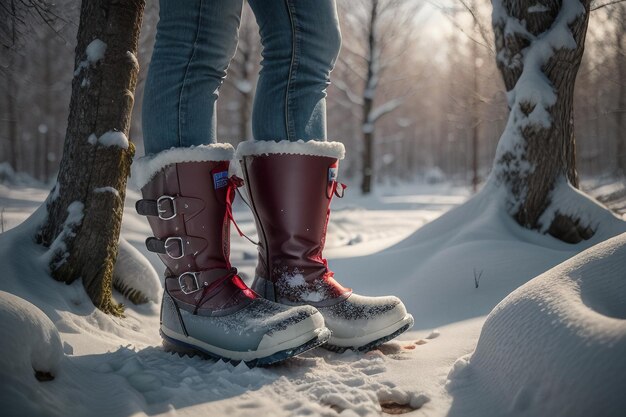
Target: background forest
428	103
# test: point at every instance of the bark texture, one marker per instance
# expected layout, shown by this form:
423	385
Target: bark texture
368	102
102	100
550	151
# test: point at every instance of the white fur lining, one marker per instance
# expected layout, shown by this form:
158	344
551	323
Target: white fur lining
312	147
145	168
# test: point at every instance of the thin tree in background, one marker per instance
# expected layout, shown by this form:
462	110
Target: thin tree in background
620	58
85	207
243	71
539	50
383	24
480	40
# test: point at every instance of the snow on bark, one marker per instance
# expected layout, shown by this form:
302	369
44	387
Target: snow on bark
57	253
94	53
109	189
243	86
533	89
133	58
383	109
114	138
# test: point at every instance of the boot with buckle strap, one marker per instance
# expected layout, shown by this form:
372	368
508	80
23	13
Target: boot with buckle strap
207	309
290	187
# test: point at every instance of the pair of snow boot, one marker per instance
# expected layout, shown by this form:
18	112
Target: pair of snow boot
294	304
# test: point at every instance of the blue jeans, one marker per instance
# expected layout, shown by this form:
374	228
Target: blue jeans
195	42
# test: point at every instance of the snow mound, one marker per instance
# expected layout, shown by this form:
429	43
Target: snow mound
554	347
30	344
462	264
134	276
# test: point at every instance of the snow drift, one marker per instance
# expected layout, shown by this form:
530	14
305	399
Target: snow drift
31	350
460	265
554	347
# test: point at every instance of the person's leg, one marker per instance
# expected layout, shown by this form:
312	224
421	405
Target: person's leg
291	184
301	40
207	309
195	41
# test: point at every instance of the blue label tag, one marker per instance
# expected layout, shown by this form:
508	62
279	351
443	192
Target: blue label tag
332	174
220	179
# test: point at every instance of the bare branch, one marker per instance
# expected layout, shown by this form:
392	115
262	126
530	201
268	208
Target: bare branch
350	95
596	6
384	109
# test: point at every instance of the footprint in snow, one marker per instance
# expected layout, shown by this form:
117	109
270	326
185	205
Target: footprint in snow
433	335
414	403
397	350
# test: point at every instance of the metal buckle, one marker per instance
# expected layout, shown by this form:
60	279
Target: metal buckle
183	285
161	211
181	244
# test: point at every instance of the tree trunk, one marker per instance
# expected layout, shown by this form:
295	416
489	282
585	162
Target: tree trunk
538	147
245	132
368	150
12	113
371	81
620	32
47	139
85	208
474	112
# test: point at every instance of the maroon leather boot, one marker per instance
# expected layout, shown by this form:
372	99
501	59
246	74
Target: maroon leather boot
290	186
207	308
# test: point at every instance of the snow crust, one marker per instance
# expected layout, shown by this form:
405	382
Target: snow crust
94	53
114	138
145	168
57	252
311	147
133	58
111	190
538	8
555	346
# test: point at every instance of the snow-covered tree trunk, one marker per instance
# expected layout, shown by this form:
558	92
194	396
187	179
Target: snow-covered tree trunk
85	207
539	49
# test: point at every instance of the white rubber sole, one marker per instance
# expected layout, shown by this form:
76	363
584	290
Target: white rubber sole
370	338
322	334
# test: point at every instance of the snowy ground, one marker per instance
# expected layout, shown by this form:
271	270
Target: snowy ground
450	273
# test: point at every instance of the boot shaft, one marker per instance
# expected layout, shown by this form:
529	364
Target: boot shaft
290	195
187	199
192	224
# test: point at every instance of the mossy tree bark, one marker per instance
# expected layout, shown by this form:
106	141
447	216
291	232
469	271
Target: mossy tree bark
94	172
